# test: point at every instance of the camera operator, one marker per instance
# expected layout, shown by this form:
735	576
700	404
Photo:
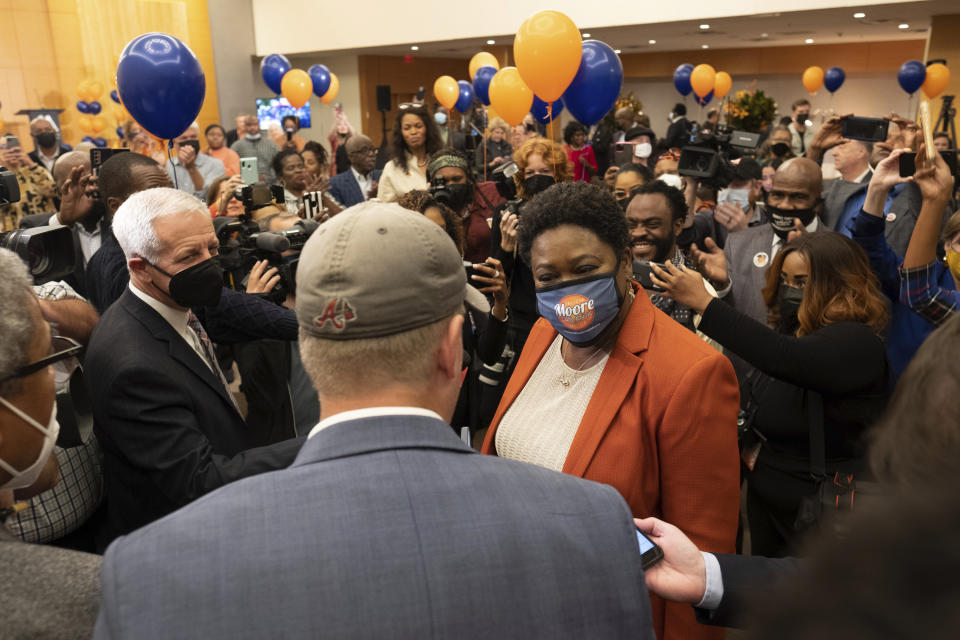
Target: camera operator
47	592
678	134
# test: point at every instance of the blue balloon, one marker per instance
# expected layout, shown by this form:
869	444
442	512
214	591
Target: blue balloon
94	108
481	83
539	110
595	88
833	78
83	107
273	68
161	83
89	139
115	96
321	79
705	100
911	75
681	79
120	132
466	96
100	142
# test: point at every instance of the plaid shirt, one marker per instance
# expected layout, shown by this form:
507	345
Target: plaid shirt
62	509
920	290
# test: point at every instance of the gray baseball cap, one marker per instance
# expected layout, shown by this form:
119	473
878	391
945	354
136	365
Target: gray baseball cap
376	270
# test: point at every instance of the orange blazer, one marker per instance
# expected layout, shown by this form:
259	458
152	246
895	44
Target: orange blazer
661	428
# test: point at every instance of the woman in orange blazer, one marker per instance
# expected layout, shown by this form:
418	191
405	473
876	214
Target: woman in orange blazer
610	389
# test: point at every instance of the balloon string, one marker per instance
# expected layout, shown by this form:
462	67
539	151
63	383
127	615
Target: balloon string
553	148
170	160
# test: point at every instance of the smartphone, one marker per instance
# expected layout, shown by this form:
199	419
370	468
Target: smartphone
642	270
623	153
650	554
99	155
866	129
908	163
249	172
12	141
313	205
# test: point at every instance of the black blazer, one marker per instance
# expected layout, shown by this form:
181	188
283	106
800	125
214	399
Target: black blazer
168	429
745	579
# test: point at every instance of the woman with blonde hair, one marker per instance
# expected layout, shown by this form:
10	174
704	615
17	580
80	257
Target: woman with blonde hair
496	149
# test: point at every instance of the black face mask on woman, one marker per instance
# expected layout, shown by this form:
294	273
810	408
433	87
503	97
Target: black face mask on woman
780	149
198	286
537	184
789	299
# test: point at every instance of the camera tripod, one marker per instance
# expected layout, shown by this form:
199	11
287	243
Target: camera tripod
945	122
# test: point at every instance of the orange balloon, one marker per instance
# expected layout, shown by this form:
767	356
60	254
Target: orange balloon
938	77
98	124
332	90
722	84
83	90
119	113
85	123
547	50
702	79
510	96
296	87
813	79
95	90
482	59
446	90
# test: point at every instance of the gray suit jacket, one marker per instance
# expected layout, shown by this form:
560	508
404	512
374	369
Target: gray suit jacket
46	592
384	527
745	250
835	195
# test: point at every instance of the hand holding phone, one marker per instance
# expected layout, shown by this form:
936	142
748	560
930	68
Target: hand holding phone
650	553
642	270
866	129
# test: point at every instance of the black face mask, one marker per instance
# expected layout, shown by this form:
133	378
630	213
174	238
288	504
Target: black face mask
782	219
802	118
46	139
192	143
198	286
780	149
536	184
789	303
455	196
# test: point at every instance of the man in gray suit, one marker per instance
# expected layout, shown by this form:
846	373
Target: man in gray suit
843	197
386	525
45	592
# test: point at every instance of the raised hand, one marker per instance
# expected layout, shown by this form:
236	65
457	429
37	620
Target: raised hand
261	279
75	203
711	262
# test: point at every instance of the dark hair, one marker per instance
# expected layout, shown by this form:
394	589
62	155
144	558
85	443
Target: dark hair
841	286
942	134
115	180
213	126
571	129
290	116
785	121
919	435
419	200
675	198
278	159
450	151
636	167
213	191
679	109
398	148
317	149
577	203
802	102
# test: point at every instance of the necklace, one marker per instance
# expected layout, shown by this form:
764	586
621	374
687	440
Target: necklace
568	373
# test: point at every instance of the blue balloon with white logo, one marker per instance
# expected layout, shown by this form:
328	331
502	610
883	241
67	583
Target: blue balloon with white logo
539	110
481	83
272	69
466	96
681	79
596	86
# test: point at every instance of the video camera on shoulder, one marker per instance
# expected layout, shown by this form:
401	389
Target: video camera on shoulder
708	157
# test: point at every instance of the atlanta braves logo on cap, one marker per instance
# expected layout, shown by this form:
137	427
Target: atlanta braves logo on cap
575	311
338	313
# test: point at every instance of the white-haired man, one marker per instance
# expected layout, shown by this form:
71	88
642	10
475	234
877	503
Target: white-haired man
387	525
46	142
168	424
190	170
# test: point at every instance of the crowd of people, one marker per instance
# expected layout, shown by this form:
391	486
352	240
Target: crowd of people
436	387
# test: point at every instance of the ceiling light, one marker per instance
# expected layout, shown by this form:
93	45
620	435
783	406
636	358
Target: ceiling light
809	40
763	35
903	26
704	26
491	42
586	35
704	46
414	48
652	41
616	51
859	14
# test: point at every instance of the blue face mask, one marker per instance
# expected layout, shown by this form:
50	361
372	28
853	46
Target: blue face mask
441	118
581	309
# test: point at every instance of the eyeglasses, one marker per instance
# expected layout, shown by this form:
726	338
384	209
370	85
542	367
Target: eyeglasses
61	348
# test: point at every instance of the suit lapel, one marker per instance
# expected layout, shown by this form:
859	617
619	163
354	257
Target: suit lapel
179	350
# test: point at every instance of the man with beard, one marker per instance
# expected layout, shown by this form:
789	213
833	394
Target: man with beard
655	216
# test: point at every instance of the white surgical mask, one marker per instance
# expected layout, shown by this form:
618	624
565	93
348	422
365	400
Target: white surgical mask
643	150
440	118
672	179
739	197
26	477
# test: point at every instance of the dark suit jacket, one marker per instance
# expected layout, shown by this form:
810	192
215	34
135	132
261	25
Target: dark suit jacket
745	579
836	193
677	134
35	154
345	189
168	429
377	530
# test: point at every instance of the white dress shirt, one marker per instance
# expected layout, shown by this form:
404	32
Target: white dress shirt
175	318
363	181
778	243
48	161
372	412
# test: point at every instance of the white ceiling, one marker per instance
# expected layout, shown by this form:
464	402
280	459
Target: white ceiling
824	26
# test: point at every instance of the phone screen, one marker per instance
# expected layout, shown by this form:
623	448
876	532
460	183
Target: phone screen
650	554
867	129
644	542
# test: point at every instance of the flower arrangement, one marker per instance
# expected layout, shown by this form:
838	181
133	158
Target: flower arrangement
750	110
628	100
